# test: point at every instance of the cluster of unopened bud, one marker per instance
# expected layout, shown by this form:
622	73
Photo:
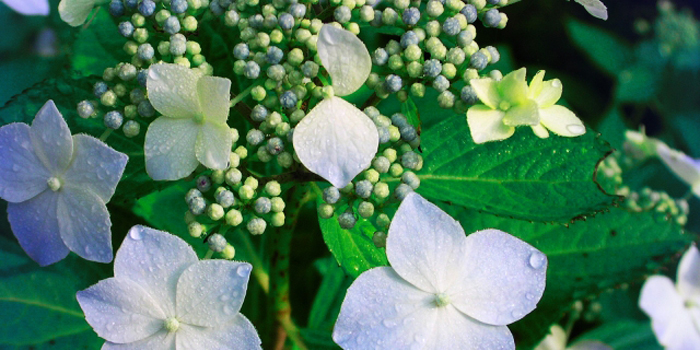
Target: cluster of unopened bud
650	200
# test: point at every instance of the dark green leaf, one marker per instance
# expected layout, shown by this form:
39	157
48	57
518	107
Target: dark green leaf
608	52
524	176
98	46
625	335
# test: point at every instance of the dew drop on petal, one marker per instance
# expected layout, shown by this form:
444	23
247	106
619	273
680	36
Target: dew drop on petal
243	270
228	310
136	234
536	260
576	129
389	323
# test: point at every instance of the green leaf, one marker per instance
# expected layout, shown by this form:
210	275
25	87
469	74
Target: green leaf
608	52
98	46
625	335
524	176
585	258
636	84
330	295
410	110
38	305
353	249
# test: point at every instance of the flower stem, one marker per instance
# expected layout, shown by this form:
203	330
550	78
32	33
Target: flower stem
258	269
279	269
242	95
106	134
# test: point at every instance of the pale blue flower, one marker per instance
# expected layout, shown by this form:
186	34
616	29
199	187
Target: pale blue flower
29	7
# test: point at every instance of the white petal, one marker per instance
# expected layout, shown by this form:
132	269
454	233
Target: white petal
590	345
336	141
75	12
51	138
215	98
22	175
35	225
425	245
688	278
213	145
680	164
670	320
345	57
486	124
536	84
561	121
526	113
504	278
95	167
220	301
595	7
382	310
84	223
172	90
163	340
29	7
455	330
170	148
240	332
120	310
540	131
487	91
155	260
555	340
513	87
550	93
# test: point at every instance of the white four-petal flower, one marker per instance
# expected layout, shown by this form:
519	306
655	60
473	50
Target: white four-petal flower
162	297
193	127
29	7
675	309
683	166
57	187
336	140
444	290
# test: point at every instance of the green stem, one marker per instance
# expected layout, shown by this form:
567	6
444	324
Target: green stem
258	269
106	134
208	255
279	268
242	95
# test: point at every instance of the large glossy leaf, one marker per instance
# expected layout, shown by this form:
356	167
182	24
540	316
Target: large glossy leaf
524	176
98	46
586	257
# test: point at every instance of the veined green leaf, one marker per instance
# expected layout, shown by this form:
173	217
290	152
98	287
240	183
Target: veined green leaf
524	176
607	51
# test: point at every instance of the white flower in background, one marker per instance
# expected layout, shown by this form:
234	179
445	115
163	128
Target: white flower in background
510	102
683	166
29	7
557	339
335	139
76	12
162	297
444	290
345	57
193	127
675	309
57	187
595	7
639	146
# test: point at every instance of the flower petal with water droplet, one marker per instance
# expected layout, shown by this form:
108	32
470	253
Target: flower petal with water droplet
22	174
215	98
84	223
120	310
29	7
75	12
504	278
95	166
170	148
561	121
35	225
172	90
223	295
155	261
213	145
51	138
336	141
345	57
240	332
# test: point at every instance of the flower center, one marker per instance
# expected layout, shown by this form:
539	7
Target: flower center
199	119
54	183
504	105
441	300
171	324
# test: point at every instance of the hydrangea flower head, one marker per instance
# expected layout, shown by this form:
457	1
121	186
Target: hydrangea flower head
335	139
29	7
162	297
510	102
193	127
57	187
444	290
675	309
683	166
76	12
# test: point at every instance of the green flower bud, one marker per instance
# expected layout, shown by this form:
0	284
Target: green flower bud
352	27
246	192
379	239
273	188
325	210
234	217
390	154
383	220
285	159
449	70
109	98
389	16
276	36
365	209
433	28
229	252
395	62
446	99
367	13
256	226
413	53
479	4
277	219
396	170
417	90
394	133
372	175
161	16
195	229
470	74
138	20
434	8
374	79
131	48
215	211
278	204
381	190
190	24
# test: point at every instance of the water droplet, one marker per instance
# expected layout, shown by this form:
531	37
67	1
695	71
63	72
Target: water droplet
225	297
15	167
228	310
576	129
243	270
136	234
389	323
537	260
529	296
517	314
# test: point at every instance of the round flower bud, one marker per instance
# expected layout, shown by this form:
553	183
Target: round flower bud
331	195
273	188
225	198
234	217
215	211
86	109
389	16
417	90
217	242
411	179
478	61
347	220
402	191
434	8
241	51
256	226
342	14
393	83
195	229
252	182
277	219
372	175
468	95
288	99
178	6
203	183
229	252
491	18
365	209
197	205
363	188
262	205
126	29
411	16
192	193
277	204
325	211
116	8
242	152
251	70
432	68
383	220
254	137
381	164
231	18
395	170
412	160
380	57
470	13
109	98
171	25
451	26
131	128
446	99
381	190
246	192
147	7
379	239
